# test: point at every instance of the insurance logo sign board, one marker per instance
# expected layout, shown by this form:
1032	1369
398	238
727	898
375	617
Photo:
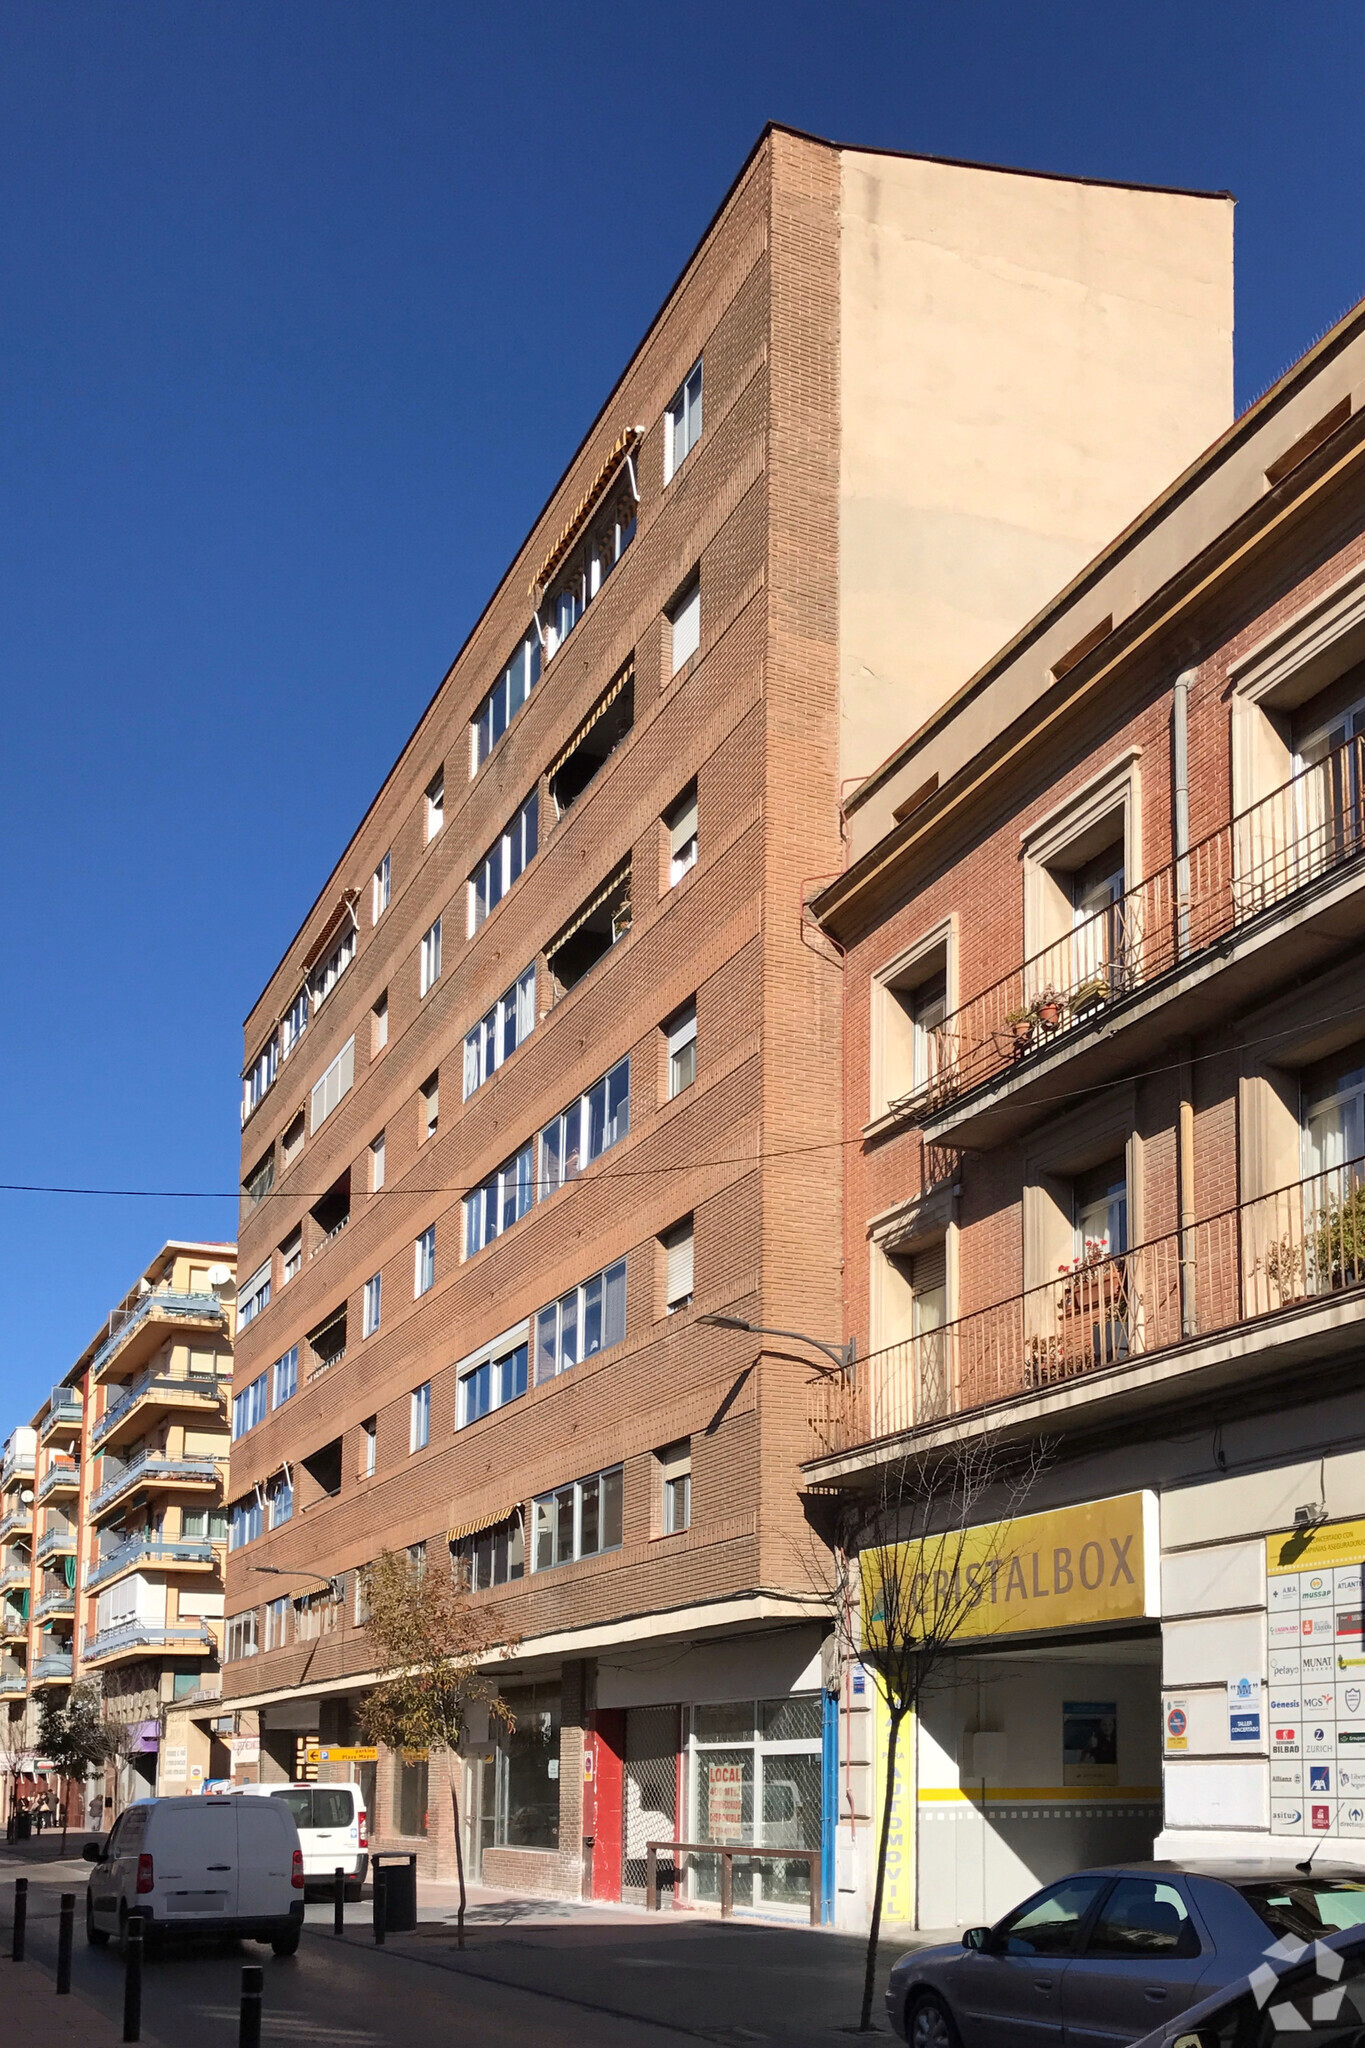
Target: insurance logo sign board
1067	1568
1316	1695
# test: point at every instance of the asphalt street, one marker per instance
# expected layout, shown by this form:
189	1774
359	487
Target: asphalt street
531	1970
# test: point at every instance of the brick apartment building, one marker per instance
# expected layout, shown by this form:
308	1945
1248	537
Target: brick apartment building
112	1524
1106	1052
550	1074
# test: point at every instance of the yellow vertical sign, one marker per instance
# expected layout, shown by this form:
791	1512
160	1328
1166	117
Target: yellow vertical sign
898	1898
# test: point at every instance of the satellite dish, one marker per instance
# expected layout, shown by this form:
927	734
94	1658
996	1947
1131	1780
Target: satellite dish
219	1276
26	1496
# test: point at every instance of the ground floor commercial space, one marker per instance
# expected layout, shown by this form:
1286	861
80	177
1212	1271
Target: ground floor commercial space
1175	1668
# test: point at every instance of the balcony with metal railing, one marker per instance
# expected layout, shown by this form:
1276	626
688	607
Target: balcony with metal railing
58	1542
1240	1294
65	1414
1271	894
181	1555
154	1472
18	1522
62	1480
13	1622
14	1572
58	1605
13	1680
53	1667
135	1638
16	1466
154	1393
149	1316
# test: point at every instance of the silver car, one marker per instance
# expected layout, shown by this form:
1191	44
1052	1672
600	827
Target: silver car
1107	1955
1297	1990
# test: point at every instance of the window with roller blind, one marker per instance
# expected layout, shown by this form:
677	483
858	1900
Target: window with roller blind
684	620
680	822
430	1094
436	803
682	422
333	1085
431	957
677	1247
681	1034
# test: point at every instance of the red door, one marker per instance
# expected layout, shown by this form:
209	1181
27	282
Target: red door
609	1737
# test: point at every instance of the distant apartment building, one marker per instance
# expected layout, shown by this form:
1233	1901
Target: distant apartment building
114	1532
1106	1077
549	1078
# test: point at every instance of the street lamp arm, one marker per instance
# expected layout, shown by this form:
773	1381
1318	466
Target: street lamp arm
843	1355
276	1571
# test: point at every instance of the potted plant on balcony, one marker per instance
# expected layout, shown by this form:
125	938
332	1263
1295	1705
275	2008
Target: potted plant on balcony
1090	995
1339	1242
1022	1024
1047	1007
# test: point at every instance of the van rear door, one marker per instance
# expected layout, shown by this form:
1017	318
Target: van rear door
193	1845
335	1837
266	1841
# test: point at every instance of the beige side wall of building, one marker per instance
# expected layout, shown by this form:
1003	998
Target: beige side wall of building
1025	362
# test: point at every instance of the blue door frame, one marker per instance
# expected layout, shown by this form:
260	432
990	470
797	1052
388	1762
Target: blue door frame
829	1803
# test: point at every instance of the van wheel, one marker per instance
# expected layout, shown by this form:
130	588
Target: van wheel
96	1936
286	1944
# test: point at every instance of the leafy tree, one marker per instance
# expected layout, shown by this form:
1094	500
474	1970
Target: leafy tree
911	1562
430	1645
72	1731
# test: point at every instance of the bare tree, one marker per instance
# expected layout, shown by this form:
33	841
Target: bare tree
916	1563
430	1644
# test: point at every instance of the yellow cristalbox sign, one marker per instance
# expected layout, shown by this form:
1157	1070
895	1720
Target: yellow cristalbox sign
1062	1569
1307	1550
898	1898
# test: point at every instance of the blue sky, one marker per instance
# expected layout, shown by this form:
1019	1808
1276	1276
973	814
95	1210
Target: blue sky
303	307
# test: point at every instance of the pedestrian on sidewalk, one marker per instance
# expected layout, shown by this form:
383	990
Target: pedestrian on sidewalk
39	1813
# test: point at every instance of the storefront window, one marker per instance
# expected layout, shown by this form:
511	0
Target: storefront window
410	1798
519	1806
755	1778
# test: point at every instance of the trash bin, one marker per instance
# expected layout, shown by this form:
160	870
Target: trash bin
394	1876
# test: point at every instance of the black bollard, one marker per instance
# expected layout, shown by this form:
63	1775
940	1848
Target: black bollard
253	1991
20	1918
132	1979
66	1928
339	1901
380	1904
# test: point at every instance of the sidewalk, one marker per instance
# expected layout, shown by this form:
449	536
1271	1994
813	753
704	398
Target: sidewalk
36	2018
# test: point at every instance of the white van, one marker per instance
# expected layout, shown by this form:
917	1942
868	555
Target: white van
333	1829
199	1866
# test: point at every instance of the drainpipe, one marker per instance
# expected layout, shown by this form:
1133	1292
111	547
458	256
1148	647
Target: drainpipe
1184	1166
1180	751
1180	764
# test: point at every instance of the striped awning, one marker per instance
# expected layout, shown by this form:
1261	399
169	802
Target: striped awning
614	881
343	912
624	445
476	1525
599	710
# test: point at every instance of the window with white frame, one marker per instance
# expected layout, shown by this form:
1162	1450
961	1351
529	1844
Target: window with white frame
335	1083
512	852
372	1308
436	803
380	888
681	1034
291	1256
492	1383
589	1318
295	1022
590	1126
588	564
285	1372
675	1467
241	1636
280	1499
361	1610
576	1521
260	1076
490	1557
277	1623
511	1019
424	1262
254	1296
429	1095
684	619
680	822
245	1520
499	1201
431	957
909	1016
678	1248
328	972
419	1422
682	422
504	700
379	1023
369	1446
250	1406
1334	1123
376	1163
315	1614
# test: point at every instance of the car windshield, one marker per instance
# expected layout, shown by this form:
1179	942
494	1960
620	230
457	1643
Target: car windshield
1309	1907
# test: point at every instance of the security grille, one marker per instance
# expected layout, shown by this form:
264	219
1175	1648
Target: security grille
651	1803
